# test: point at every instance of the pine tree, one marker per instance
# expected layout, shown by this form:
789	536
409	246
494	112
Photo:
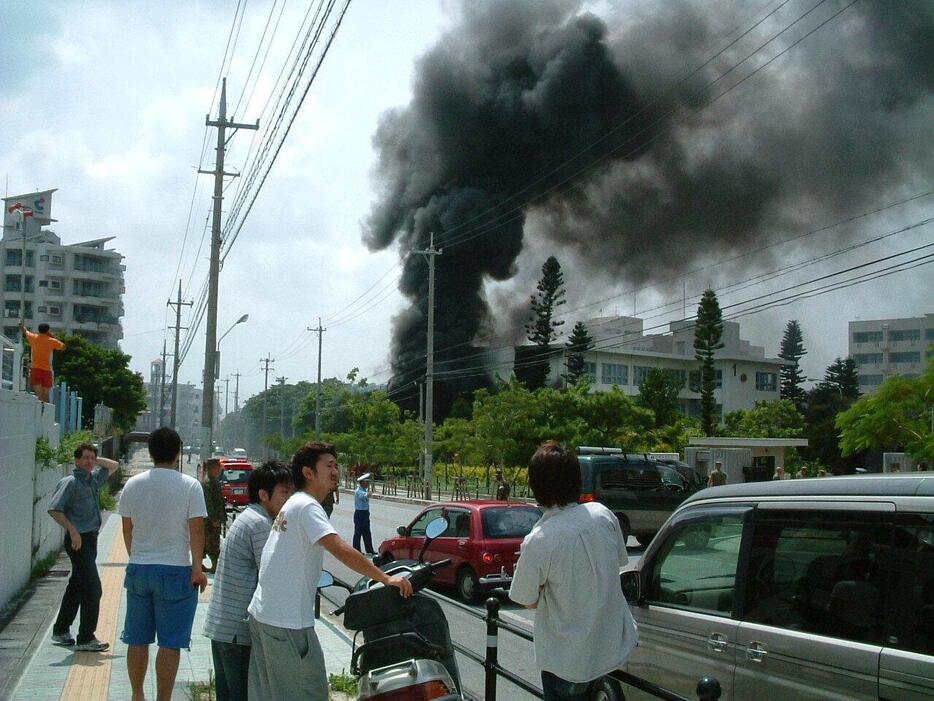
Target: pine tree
843	377
708	331
578	344
791	352
542	327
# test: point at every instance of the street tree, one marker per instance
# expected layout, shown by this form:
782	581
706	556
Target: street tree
542	328
577	345
101	376
708	332
767	419
898	416
842	377
792	350
659	392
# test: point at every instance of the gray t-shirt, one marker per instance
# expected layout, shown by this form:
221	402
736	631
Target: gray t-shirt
78	497
235	581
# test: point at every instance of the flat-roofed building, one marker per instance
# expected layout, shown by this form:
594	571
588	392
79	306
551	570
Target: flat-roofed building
884	347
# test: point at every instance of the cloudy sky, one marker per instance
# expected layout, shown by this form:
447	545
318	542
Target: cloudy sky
107	101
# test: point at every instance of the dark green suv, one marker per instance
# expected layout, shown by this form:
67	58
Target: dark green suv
641	491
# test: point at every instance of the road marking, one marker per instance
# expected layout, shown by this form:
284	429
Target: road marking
89	677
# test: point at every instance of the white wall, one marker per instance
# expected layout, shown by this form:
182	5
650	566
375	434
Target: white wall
27	533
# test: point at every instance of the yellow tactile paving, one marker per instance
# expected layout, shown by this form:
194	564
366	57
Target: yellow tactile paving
89	677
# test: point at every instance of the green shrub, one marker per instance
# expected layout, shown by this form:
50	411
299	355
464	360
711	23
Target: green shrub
343	682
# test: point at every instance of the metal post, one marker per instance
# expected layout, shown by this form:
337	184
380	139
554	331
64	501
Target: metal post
320	331
262	432
431	253
63	396
162	389
281	381
175	361
492	648
78	413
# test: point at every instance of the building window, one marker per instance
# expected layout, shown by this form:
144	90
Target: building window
766	381
868	358
905	357
680	375
870	380
55	284
590	370
694	380
12	284
55	310
44	258
614	374
681	348
905	335
43	283
43	309
57	260
929	334
867	337
14	257
639	374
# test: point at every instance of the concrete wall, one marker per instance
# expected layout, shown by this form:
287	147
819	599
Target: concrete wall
27	534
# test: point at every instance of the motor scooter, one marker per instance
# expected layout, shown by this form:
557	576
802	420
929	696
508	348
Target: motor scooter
407	654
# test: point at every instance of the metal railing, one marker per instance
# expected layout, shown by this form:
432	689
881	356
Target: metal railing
11	361
68	408
708	688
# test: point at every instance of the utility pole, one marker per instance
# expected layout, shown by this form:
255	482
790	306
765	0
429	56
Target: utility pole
262	433
430	254
421	418
320	331
237	406
281	381
178	329
210	336
162	389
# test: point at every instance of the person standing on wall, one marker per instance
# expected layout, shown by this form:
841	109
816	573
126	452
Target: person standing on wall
75	506
361	514
42	344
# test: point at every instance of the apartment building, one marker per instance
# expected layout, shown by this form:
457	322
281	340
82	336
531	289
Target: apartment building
624	355
75	288
884	347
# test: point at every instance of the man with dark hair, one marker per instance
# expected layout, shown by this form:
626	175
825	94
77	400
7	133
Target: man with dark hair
43	344
163	528
75	506
270	486
361	513
572	555
286	661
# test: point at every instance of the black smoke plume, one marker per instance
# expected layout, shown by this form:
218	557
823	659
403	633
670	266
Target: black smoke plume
539	106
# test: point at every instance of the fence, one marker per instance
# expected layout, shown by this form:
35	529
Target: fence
708	688
68	407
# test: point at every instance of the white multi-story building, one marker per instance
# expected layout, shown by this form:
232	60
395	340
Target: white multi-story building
884	347
623	356
75	288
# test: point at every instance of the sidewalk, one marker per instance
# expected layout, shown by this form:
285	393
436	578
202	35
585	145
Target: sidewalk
52	672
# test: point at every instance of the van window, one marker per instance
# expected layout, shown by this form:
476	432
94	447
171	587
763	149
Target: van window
695	568
820	572
911	607
638	477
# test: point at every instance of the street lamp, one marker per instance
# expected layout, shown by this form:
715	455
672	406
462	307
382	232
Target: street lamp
217	362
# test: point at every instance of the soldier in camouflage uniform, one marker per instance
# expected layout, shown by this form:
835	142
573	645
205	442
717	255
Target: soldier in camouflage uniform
217	514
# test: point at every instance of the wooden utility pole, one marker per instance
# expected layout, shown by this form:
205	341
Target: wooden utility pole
210	336
320	331
178	304
430	254
262	434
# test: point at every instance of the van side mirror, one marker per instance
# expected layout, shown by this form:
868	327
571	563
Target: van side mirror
631	583
401	530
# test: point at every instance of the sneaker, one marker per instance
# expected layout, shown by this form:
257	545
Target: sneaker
63	639
92	645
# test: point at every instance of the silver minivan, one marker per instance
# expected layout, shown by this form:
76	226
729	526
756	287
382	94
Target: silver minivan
793	589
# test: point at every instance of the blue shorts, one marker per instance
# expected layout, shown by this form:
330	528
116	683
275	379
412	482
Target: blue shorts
159	600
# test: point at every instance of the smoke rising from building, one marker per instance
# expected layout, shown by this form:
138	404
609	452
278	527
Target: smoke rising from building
539	106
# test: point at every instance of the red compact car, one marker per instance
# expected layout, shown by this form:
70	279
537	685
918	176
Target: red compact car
482	541
234	484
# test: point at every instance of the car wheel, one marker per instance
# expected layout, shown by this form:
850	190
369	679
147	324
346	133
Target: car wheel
468	586
607	689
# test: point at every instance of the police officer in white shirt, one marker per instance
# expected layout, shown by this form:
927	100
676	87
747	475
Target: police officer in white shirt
568	570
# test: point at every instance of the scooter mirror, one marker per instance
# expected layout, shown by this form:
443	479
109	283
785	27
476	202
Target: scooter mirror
436	527
325	580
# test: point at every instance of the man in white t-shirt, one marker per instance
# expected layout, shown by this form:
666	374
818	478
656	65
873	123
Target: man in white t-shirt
163	527
287	661
568	570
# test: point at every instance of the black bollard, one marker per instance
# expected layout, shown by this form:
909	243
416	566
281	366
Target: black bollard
492	648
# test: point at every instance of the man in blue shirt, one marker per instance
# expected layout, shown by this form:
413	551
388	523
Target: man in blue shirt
75	506
361	514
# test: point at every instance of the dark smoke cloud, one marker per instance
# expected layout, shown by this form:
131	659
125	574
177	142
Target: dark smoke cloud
539	106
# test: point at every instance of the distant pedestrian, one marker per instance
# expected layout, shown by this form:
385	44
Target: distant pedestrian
717	478
572	555
270	486
163	528
361	514
780	474
501	487
75	506
286	661
217	511
42	345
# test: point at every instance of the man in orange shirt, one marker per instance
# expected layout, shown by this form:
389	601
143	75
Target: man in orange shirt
42	344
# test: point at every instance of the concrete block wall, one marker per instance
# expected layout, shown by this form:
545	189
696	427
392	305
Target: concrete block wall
26	532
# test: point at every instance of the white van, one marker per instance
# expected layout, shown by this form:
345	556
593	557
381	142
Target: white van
796	589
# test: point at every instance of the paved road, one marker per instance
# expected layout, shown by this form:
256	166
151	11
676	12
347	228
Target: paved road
514	653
